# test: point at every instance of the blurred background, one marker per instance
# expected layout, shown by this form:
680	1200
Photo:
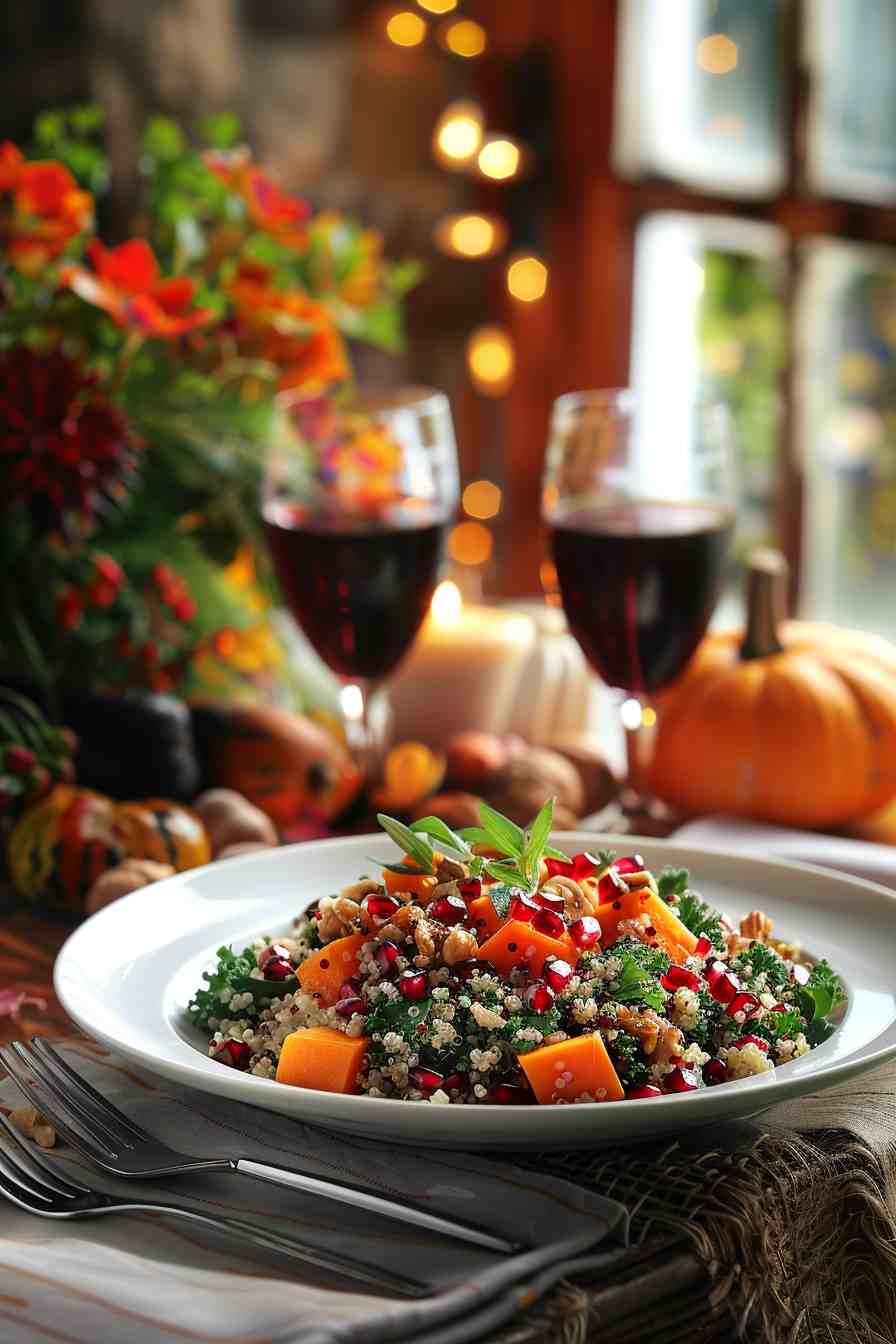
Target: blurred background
693	197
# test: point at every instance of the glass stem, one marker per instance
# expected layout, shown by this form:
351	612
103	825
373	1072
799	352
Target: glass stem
363	728
638	745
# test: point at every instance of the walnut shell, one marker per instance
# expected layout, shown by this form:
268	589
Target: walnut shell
122	880
473	759
230	819
534	775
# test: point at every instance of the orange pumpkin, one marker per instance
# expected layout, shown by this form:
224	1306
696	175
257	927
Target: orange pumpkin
59	846
790	722
155	828
283	763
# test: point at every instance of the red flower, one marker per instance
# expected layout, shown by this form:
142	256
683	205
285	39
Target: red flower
48	209
109	569
64	449
69	608
108	578
125	284
20	760
184	608
268	206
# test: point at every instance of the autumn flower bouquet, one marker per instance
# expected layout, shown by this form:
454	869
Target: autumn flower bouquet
138	381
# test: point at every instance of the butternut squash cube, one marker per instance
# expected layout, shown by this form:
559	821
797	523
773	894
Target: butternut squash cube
564	1071
322	1058
486	919
516	942
325	970
640	911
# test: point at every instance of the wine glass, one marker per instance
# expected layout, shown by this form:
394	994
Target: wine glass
639	532
357	494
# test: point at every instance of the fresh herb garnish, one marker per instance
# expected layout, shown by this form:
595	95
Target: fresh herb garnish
414	844
672	882
638	981
546	1023
231	968
436	829
821	994
403	1016
765	960
265	989
694	913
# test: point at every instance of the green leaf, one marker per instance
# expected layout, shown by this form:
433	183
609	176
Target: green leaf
821	994
265	989
537	837
500	897
605	857
220	131
672	882
435	827
48	127
550	853
700	918
403	868
503	833
163	139
508	873
637	985
414	845
475	835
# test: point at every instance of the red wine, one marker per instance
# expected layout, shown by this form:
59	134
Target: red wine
639	582
359	591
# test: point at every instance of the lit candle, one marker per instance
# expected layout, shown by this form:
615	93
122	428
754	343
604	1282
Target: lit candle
463	672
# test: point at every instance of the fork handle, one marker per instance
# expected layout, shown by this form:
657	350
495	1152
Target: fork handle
345	1266
359	1197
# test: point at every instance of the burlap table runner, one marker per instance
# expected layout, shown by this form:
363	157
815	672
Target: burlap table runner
793	1215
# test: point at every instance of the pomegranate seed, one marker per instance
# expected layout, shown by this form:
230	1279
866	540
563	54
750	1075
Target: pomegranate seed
470	889
426	1079
413	984
605	1021
269	953
505	1094
778	1008
704	946
557	973
799	974
350	989
679	977
752	1040
349	1006
632	863
235	1054
549	900
743	1002
585	932
579	866
549	922
714	1071
386	956
381	908
464	970
449	910
558	867
523	908
454	1082
278	968
645	1090
723	984
681	1080
610	886
539	997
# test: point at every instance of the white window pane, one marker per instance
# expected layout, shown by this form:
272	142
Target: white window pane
851	142
847	360
708	343
700	93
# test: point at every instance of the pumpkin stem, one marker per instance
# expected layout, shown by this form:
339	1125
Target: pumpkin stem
766	603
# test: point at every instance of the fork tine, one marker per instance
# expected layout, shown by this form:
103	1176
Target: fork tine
27	1161
17	1186
94	1120
56	1064
21	1073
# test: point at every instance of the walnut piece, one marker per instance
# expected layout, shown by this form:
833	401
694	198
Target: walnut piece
32	1124
460	945
576	901
486	1018
756	926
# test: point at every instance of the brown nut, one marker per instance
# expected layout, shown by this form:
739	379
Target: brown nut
29	1121
121	881
231	819
474	758
531	777
457	810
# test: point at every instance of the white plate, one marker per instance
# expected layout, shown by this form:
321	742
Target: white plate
127	974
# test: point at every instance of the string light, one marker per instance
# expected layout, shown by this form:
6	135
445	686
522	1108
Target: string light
500	158
470	235
465	37
470	544
438	6
527	279
717	54
491	360
458	134
406	29
482	499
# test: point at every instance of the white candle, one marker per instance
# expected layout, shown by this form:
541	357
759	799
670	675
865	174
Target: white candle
463	672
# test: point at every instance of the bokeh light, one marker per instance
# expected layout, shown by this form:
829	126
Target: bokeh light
472	235
527	279
458	134
406	29
482	499
465	37
491	360
717	54
447	603
438	6
470	544
499	158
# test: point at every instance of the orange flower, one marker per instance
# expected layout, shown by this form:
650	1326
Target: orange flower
48	209
269	207
289	329
125	284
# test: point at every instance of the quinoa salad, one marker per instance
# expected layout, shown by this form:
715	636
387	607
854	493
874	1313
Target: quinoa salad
486	966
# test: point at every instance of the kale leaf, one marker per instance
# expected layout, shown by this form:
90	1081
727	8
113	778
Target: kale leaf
765	959
637	983
672	882
821	994
229	971
700	918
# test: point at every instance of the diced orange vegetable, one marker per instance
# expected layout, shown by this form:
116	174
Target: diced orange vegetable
517	942
486	919
323	1058
564	1071
325	970
420	885
646	911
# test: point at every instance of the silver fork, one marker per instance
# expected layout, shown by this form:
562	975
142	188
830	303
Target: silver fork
31	1181
96	1128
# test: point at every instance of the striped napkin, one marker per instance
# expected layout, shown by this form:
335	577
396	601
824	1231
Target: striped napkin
144	1279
